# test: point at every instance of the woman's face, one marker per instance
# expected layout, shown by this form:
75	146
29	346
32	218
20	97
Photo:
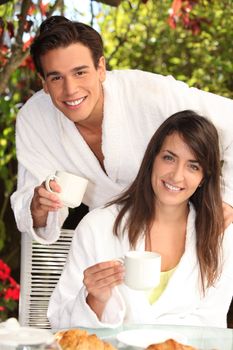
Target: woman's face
176	173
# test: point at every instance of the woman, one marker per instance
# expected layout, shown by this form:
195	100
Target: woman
174	208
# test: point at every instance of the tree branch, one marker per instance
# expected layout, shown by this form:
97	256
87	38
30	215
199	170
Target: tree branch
57	4
22	19
14	62
110	2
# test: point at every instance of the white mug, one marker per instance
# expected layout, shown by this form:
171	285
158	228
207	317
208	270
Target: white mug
142	269
73	187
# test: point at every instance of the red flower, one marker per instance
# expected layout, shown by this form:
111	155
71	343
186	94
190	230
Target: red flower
12	293
4	271
9	291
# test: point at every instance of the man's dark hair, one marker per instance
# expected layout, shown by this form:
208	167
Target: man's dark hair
58	31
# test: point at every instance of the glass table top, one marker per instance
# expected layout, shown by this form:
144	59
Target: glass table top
203	338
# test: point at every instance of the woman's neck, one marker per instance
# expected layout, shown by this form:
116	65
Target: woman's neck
171	214
167	234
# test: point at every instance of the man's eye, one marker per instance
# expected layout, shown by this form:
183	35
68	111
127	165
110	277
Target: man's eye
56	78
79	73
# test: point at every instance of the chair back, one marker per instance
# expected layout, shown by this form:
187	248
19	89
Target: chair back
41	267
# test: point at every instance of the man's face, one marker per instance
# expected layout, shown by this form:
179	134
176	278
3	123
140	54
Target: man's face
73	82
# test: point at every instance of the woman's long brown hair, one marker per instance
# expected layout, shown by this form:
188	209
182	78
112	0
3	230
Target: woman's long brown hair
137	204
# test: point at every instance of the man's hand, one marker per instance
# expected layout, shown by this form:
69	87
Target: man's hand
99	280
228	214
43	202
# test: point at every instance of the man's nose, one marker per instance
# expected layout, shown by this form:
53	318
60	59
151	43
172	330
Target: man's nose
70	86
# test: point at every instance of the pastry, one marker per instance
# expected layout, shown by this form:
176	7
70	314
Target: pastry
78	339
170	344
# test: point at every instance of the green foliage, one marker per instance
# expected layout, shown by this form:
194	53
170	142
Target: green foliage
138	36
7	157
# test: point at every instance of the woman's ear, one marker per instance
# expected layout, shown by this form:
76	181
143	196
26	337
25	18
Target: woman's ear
201	183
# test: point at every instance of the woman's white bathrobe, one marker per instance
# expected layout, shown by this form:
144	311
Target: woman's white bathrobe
135	104
180	303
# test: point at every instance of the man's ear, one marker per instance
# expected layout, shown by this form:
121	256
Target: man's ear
44	84
102	68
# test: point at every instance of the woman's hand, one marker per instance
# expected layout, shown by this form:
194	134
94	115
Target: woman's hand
228	214
99	280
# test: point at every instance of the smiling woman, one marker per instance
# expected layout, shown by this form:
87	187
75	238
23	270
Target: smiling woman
174	208
176	173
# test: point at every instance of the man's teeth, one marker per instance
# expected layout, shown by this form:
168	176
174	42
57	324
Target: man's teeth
75	103
172	188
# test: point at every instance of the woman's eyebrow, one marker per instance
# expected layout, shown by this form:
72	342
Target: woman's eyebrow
175	155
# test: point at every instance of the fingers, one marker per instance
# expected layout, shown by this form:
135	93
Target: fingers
48	200
103	275
44	202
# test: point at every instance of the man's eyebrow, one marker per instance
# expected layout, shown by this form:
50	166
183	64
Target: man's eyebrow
76	69
175	155
73	70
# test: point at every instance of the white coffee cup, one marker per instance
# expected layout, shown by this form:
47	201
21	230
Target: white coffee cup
142	269
73	187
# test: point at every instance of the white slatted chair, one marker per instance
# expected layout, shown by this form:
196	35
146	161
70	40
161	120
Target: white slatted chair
41	267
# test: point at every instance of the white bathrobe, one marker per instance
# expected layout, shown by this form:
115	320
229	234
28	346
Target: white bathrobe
181	303
135	104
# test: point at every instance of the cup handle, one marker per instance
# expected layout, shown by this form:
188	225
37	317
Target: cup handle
47	182
121	260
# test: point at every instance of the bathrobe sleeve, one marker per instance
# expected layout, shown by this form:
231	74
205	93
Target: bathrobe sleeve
68	307
35	163
21	202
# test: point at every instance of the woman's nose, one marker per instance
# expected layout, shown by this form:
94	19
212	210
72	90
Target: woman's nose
178	173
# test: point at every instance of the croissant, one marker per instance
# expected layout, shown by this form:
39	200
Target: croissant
78	339
170	344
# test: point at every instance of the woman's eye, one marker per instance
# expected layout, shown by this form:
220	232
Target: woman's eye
194	167
168	157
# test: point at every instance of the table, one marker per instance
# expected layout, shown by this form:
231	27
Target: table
203	338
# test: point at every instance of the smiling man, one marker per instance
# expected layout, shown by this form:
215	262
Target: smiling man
95	124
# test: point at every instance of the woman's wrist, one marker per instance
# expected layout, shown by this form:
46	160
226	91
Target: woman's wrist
96	305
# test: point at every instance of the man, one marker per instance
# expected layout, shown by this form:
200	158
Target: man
95	124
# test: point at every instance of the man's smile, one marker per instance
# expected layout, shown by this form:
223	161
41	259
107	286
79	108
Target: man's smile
75	103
